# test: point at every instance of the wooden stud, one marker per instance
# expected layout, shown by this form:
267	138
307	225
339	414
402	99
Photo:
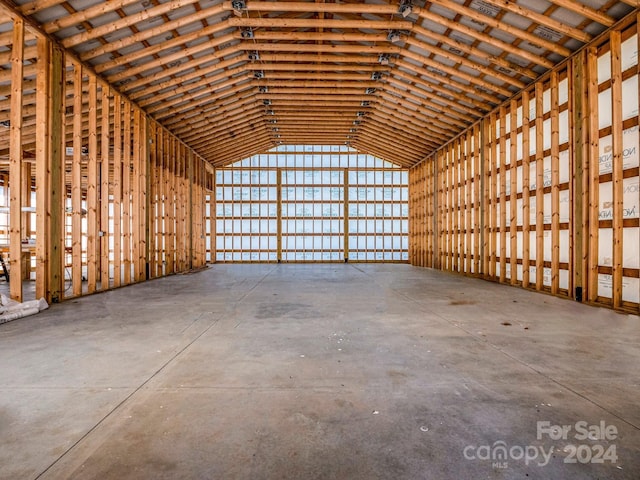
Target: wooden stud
92	188
454	204
469	164
148	185
485	188
570	184
170	245
164	203
279	213
452	223
594	173
56	185
153	176
430	211
213	217
539	187
136	193
579	166
187	207
478	192
618	165
526	184
105	162
126	192
513	190
438	215
503	194
555	186
413	205
117	191
345	214
180	208
15	161
76	185
43	169
493	210
144	218
192	225
198	215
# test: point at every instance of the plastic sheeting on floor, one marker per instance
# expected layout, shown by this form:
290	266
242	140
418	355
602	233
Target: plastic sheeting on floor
12	310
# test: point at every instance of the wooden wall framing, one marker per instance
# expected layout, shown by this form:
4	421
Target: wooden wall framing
544	192
311	205
118	198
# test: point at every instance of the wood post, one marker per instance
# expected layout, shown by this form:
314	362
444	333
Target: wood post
526	185
279	213
617	145
345	214
76	184
15	161
105	162
92	188
580	168
44	157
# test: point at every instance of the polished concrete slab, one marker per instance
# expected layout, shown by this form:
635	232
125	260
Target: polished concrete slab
320	372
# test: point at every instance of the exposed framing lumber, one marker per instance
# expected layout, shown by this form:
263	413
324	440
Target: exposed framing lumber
137	201
15	161
127	138
44	126
125	22
468	182
484	37
539	187
542	19
345	214
92	188
577	82
493	211
526	184
478	183
503	193
105	172
581	164
555	185
513	187
617	146
144	35
585	11
144	192
153	199
56	186
76	184
279	214
117	192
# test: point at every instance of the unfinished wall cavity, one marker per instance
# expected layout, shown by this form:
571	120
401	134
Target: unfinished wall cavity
94	194
544	191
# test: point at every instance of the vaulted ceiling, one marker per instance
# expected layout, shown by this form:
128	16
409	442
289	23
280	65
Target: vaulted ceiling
394	78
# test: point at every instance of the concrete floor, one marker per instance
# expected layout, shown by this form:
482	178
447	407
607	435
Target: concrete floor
318	372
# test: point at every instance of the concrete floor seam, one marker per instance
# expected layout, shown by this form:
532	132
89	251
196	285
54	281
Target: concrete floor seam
125	400
149	379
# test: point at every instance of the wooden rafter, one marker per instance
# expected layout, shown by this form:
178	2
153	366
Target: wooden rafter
204	70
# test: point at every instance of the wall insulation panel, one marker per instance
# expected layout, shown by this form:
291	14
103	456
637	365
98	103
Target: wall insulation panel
311	204
544	191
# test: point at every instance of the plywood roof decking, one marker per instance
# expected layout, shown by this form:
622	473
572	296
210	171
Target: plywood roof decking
393	78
